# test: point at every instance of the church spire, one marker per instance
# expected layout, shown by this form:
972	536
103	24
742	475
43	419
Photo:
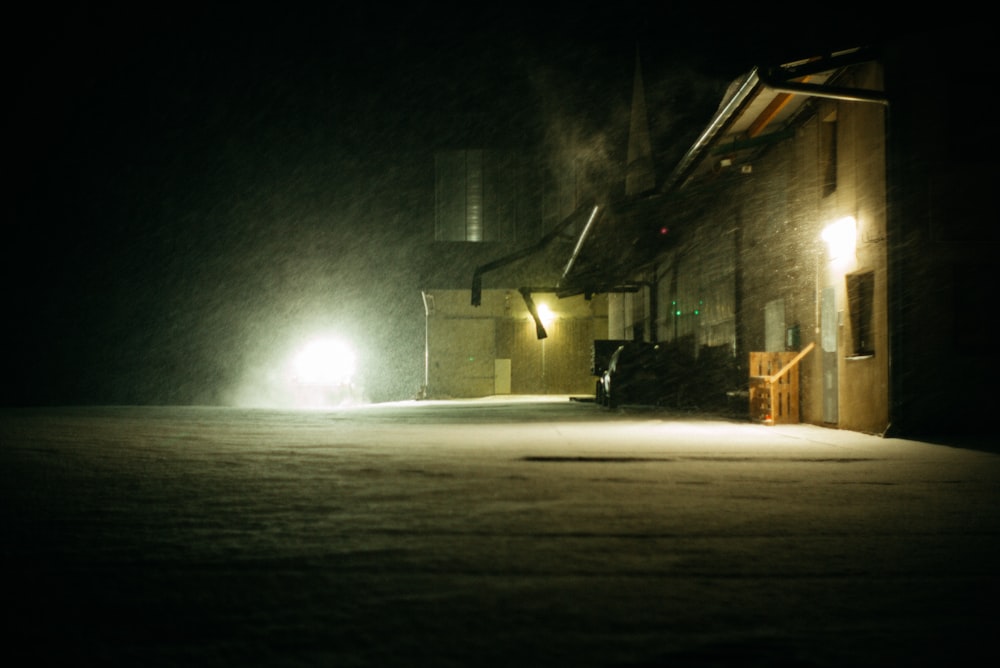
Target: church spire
639	175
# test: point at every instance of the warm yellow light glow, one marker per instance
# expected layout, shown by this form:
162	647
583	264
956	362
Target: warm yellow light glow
841	237
546	315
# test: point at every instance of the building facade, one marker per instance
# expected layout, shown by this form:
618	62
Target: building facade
790	249
834	207
831	207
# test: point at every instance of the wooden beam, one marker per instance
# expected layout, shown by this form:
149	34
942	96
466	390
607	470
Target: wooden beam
795	360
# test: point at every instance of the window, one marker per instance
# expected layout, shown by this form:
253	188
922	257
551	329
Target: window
861	302
828	153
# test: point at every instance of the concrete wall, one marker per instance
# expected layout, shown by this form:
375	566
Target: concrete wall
493	348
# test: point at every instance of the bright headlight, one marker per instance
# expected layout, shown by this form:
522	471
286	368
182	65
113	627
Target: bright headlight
324	362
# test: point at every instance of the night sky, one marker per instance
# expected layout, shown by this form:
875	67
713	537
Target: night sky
196	190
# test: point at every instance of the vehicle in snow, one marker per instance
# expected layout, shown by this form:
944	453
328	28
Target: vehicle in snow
635	375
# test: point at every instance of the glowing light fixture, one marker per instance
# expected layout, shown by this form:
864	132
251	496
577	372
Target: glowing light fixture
546	315
841	237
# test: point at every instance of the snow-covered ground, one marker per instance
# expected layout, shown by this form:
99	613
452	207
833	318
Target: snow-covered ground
523	531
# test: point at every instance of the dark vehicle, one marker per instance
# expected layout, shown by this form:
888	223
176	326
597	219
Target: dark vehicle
636	374
667	374
600	354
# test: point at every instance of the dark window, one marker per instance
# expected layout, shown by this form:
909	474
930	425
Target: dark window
861	302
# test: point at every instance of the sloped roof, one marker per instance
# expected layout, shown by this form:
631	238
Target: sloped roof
759	108
623	236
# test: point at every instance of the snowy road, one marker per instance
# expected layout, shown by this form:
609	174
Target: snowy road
523	532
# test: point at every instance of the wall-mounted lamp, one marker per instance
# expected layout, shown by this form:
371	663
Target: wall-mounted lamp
841	237
546	315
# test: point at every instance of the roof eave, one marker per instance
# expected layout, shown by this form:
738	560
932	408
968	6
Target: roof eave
778	79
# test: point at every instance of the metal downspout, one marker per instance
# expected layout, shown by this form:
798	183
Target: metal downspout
722	117
822	90
477	276
579	243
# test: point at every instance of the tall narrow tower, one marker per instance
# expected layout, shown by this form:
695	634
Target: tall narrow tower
639	175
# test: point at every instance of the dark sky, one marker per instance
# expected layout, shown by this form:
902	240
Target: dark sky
195	188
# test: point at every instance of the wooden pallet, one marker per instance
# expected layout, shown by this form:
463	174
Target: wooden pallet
774	386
